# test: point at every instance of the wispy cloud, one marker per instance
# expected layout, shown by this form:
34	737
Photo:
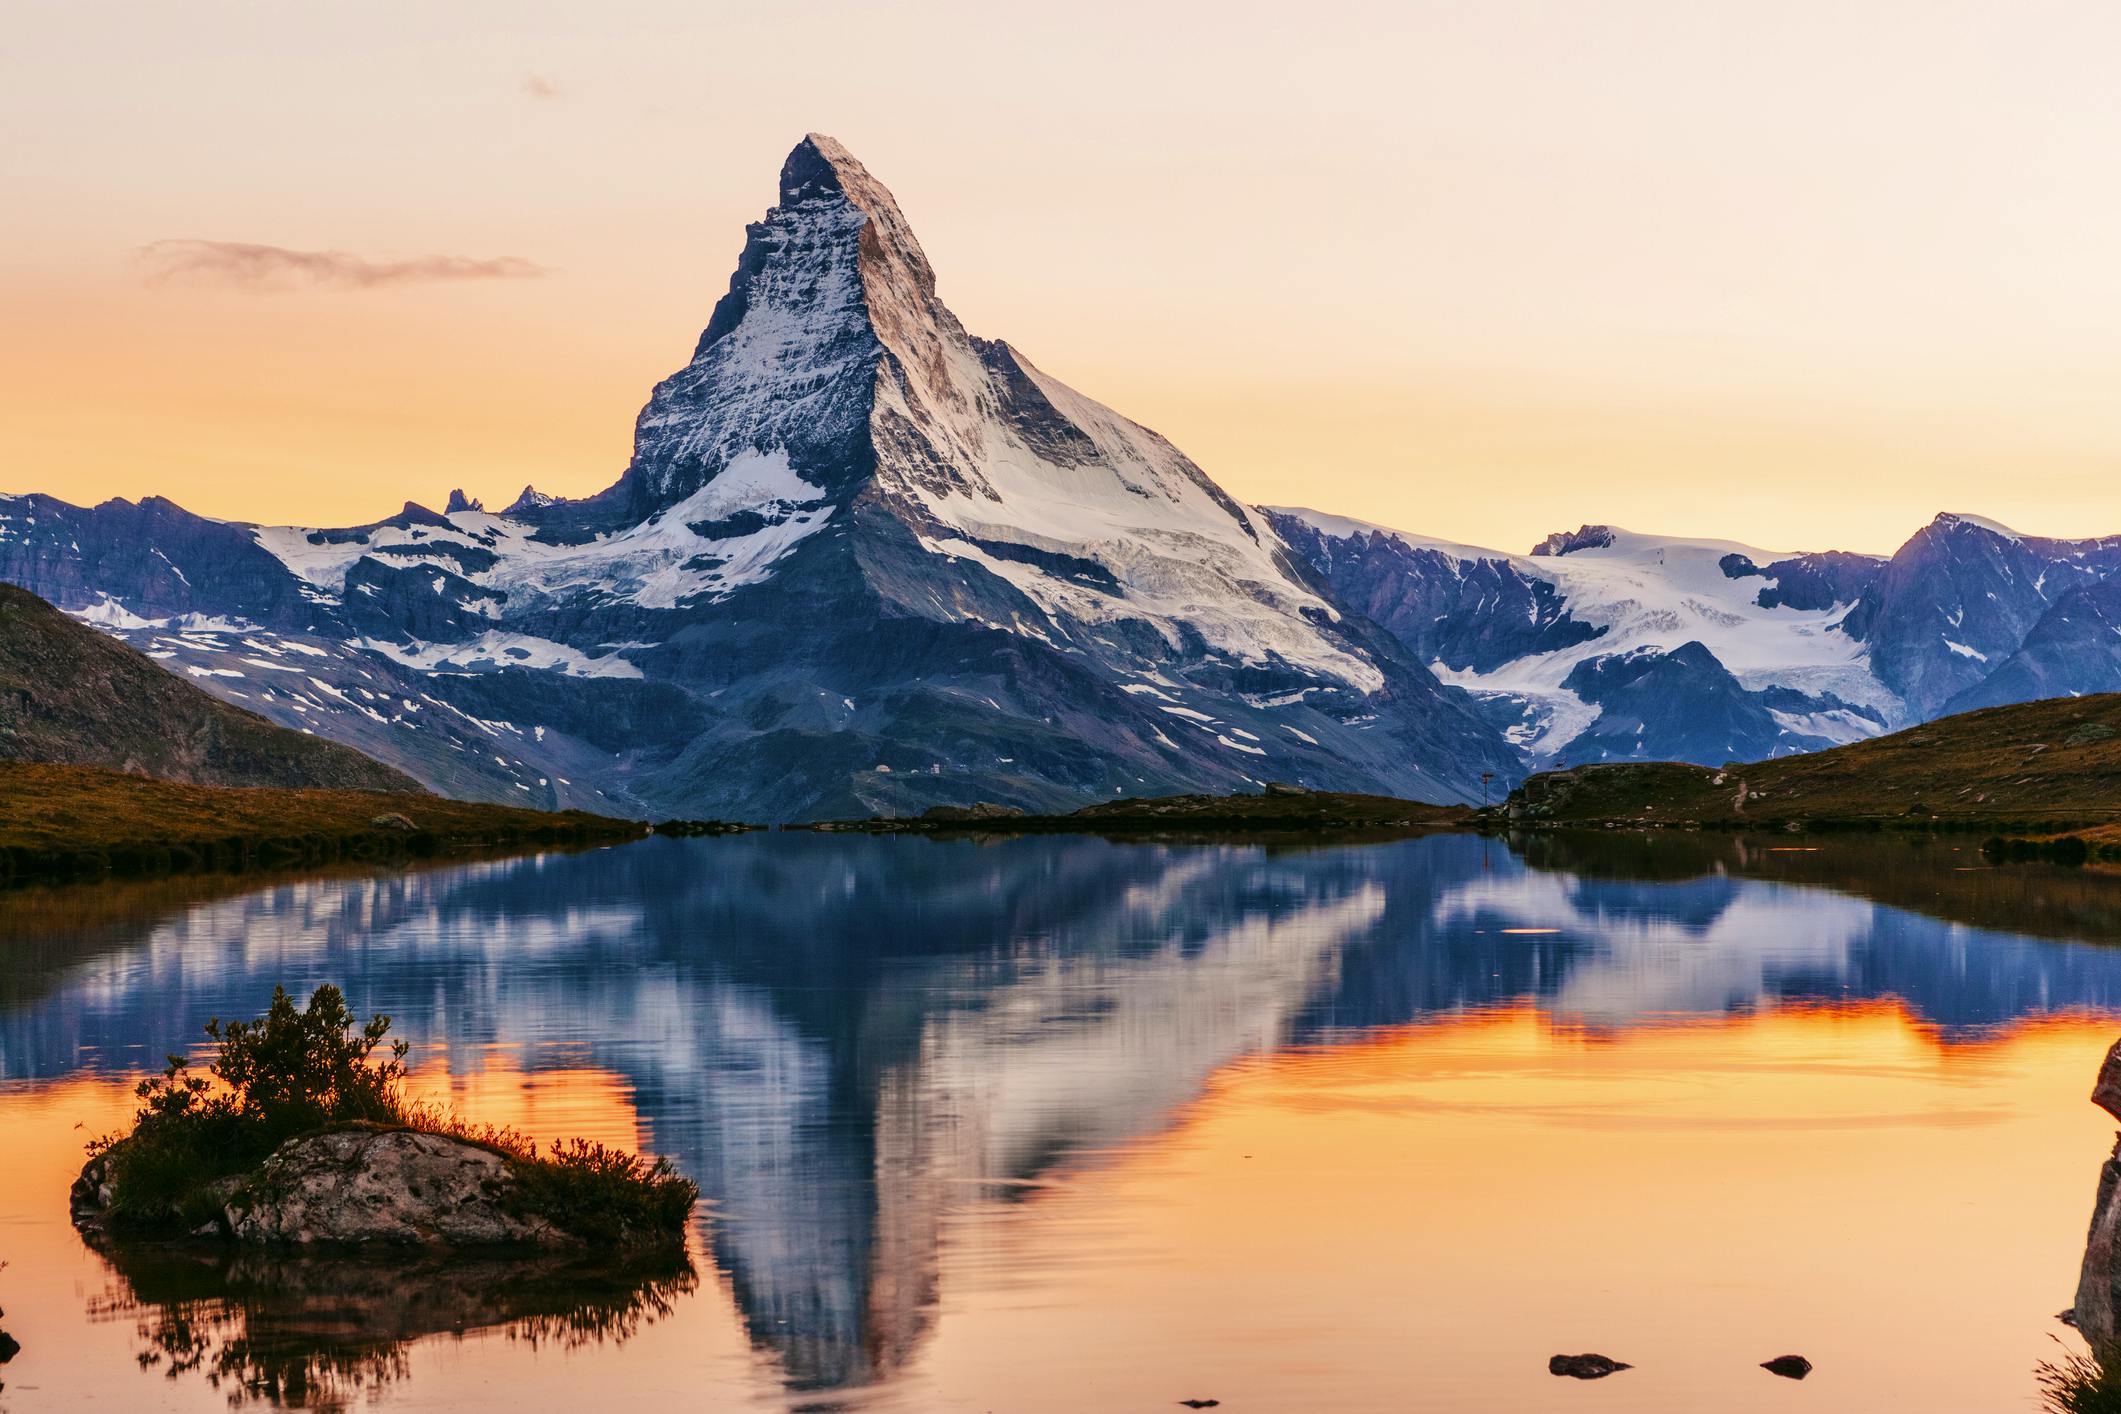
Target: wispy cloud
277	267
541	86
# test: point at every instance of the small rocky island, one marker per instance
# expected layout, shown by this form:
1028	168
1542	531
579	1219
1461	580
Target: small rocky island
300	1136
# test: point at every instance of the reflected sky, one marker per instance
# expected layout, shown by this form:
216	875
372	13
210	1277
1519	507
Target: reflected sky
885	1060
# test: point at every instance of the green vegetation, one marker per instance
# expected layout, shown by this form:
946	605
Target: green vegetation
2034	771
603	1194
2079	1384
82	821
301	1071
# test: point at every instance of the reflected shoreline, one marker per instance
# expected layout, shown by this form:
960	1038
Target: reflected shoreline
325	1330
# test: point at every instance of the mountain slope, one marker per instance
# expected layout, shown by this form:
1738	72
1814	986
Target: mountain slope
1959	598
860	561
2073	650
69	695
1605	643
2054	763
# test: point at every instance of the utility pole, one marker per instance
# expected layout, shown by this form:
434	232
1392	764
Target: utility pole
1485	777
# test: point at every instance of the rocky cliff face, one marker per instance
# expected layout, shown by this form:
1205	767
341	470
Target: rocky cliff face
2098	1307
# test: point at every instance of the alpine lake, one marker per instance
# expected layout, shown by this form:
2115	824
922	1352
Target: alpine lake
1064	1123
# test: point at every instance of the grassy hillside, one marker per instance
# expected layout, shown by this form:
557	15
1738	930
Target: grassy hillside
2034	767
60	820
71	695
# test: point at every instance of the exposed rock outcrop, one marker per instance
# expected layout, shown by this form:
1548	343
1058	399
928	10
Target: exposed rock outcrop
390	1187
2097	1298
1585	1367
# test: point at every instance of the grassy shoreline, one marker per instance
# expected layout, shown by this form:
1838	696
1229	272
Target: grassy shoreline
61	823
2028	775
1281	811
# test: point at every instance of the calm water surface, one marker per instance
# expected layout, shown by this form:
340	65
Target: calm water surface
1062	1124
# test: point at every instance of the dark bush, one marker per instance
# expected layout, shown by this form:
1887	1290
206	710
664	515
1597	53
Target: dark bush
294	1072
287	1073
606	1195
2079	1384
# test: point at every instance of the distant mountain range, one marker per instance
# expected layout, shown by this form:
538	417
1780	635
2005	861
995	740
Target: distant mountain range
863	561
1602	644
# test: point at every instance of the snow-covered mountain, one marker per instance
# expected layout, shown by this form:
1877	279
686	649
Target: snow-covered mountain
1603	644
864	561
861	560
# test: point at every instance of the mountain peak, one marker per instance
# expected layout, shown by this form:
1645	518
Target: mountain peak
532	499
1589	537
1947	519
819	162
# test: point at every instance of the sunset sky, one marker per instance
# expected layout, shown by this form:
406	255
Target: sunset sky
1798	274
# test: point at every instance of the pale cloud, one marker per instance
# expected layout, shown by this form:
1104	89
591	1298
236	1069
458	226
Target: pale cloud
277	267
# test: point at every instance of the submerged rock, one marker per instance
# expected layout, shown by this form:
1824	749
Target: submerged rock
1585	1367
1790	1367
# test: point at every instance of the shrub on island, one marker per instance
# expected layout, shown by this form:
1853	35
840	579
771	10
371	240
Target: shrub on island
300	1132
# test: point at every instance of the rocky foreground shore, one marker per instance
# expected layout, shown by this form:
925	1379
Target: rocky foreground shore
2099	1280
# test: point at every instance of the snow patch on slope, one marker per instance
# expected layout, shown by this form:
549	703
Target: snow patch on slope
1656	593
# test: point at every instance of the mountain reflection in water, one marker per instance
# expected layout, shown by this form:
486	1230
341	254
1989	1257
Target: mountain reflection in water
846	1039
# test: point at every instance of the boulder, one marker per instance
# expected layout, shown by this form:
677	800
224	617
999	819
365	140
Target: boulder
2097	1299
386	1187
1585	1367
1790	1367
9	1347
2098	1290
392	820
2106	1091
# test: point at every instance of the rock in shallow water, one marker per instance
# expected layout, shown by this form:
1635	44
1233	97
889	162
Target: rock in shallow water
1585	1367
1790	1367
386	1187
